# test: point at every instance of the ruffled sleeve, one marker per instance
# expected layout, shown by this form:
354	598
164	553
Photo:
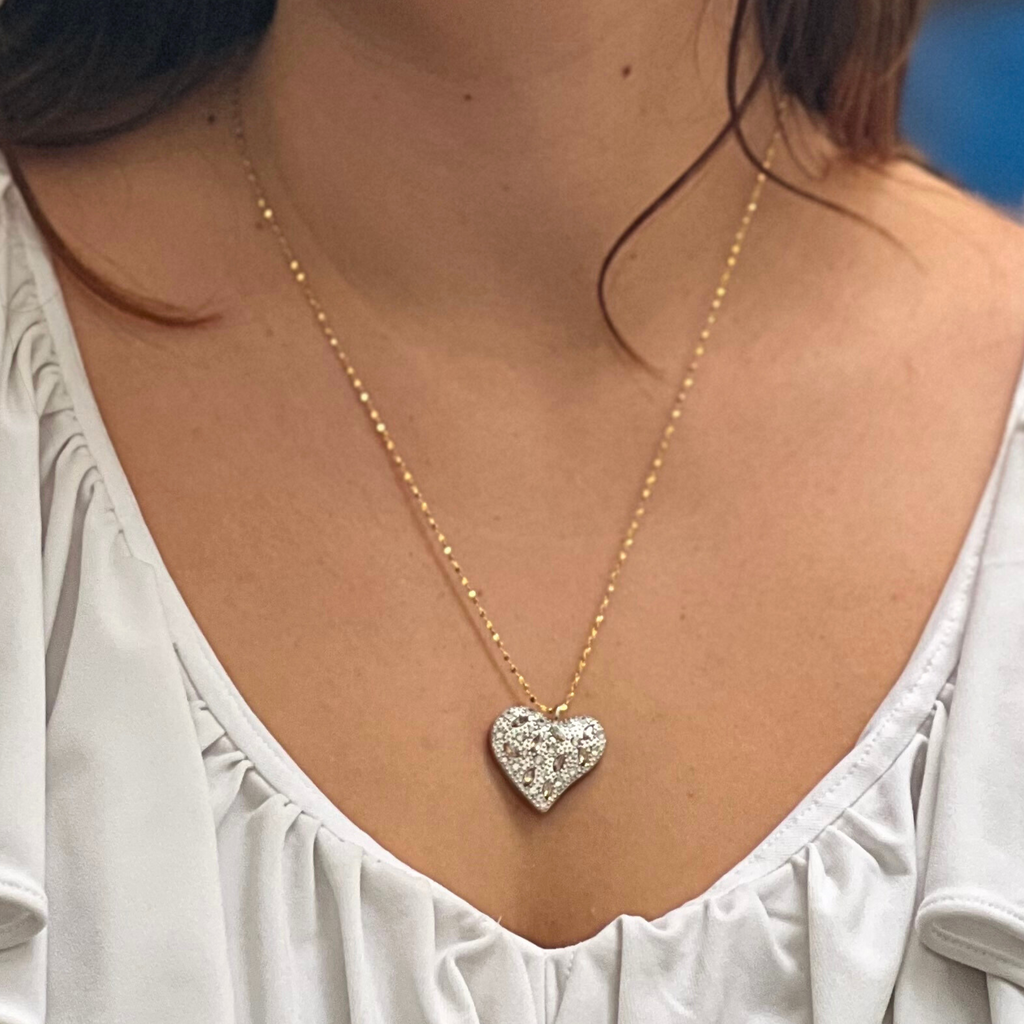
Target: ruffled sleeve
973	903
23	906
109	890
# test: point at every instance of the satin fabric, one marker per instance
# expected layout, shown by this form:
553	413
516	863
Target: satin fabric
162	859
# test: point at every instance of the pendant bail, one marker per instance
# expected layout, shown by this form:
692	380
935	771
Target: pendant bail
560	709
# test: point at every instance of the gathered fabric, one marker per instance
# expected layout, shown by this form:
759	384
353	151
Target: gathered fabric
163	860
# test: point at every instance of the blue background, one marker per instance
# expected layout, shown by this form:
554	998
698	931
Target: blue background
964	100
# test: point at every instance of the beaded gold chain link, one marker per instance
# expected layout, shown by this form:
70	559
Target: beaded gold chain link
365	399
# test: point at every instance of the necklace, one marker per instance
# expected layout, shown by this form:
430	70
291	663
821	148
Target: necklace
541	752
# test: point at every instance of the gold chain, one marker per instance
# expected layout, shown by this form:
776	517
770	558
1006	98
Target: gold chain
402	467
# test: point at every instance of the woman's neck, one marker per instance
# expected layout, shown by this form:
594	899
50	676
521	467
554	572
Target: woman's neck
485	155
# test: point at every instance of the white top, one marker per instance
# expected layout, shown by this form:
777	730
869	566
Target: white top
163	860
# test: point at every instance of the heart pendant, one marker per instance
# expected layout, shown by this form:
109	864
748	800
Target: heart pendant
543	758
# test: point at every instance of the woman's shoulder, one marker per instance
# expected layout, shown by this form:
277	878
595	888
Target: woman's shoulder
954	231
961	269
43	455
23	330
30	369
15	272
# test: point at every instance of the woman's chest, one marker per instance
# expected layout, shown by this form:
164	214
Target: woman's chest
774	593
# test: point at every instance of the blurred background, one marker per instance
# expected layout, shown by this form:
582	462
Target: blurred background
964	101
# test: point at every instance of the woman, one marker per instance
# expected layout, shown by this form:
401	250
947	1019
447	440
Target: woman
312	427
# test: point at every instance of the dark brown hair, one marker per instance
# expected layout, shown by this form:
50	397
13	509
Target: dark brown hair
78	71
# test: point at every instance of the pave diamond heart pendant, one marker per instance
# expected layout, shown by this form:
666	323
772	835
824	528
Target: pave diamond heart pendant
543	758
